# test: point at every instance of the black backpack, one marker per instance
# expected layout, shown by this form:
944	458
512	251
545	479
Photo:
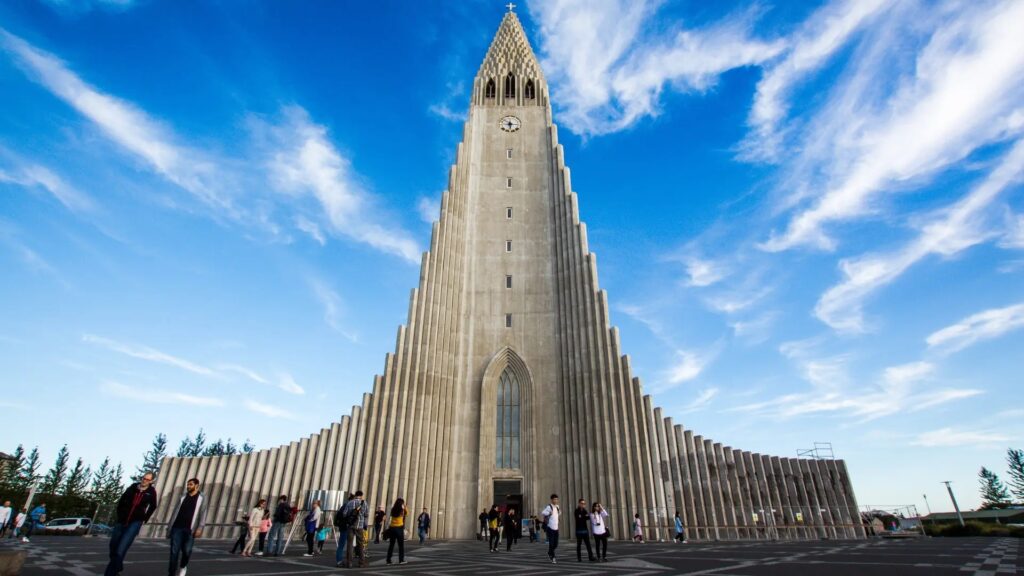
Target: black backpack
343	521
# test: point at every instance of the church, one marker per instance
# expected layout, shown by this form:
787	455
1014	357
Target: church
508	383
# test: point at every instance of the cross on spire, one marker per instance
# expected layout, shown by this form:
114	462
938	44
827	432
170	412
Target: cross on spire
511	7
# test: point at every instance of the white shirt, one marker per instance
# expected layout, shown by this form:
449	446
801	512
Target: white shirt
597	521
552	512
5	515
19	521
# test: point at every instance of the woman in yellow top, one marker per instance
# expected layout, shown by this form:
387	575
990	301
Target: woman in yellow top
396	530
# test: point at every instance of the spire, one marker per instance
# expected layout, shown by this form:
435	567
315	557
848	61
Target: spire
510	54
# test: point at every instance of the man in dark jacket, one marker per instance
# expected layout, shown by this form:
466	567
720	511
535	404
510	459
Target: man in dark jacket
282	516
134	508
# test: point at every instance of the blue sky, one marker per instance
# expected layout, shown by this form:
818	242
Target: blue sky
808	217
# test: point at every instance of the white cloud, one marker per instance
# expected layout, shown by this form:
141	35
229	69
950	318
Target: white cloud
703	272
956	228
34	175
332	305
248	373
949	437
288	384
757	329
149	354
156	396
965	92
899	376
984	325
701	401
1014	236
311	228
303	162
735	301
688	365
429	209
268	410
608	72
124	123
817	40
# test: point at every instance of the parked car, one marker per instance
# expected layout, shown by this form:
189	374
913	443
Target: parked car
67	526
100	529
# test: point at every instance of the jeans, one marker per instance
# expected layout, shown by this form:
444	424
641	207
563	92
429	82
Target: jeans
397	535
275	545
423	535
495	537
181	549
121	538
552	542
583	538
376	533
339	554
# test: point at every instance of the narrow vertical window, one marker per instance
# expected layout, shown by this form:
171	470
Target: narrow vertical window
506	446
508	182
508	245
510	86
508	213
508	320
528	91
508	153
508	281
489	91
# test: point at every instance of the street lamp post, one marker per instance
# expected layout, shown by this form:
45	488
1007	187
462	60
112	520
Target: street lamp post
955	505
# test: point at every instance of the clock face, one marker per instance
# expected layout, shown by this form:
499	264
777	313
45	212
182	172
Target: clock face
510	123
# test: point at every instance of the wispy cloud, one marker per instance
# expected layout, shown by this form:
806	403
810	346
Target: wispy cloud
429	209
30	175
964	92
268	410
287	383
949	437
756	329
702	401
608	71
953	230
157	396
149	354
303	161
310	228
242	370
703	272
124	123
984	325
332	305
687	366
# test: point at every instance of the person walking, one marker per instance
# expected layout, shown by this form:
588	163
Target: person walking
19	521
531	525
493	526
396	530
423	525
341	524
582	525
378	523
255	521
134	508
185	525
282	516
680	530
311	522
551	515
599	528
512	529
264	528
243	533
36	516
638	529
6	515
354	517
483	525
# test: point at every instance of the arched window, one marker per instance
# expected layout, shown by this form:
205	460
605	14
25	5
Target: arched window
528	91
489	91
506	452
510	86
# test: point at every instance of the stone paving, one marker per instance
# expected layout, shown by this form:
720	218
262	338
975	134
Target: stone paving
924	556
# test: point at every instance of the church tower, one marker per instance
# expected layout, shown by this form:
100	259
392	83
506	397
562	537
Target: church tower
508	383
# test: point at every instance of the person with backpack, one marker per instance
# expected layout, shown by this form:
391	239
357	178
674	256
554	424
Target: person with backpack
311	522
351	519
552	514
493	524
282	516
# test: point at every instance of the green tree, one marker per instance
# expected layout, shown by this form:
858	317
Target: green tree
54	479
190	447
152	459
248	447
993	492
30	470
105	488
77	480
11	478
1015	466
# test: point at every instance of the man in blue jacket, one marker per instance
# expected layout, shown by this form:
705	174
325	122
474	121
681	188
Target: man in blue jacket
134	508
36	516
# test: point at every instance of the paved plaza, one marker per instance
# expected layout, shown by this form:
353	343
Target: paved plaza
926	556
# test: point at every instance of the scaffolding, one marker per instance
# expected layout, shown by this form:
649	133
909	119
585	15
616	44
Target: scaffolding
821	451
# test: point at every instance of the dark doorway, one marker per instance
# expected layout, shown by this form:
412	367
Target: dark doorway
508	495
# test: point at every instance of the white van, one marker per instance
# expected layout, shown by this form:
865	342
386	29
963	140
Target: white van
67	526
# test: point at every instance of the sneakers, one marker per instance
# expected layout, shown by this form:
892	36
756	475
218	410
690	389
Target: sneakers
553	561
259	553
403	562
182	571
307	554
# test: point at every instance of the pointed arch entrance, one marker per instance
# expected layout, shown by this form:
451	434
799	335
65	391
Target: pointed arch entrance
507	468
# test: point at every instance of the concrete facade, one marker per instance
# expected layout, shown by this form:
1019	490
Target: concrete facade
509	312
